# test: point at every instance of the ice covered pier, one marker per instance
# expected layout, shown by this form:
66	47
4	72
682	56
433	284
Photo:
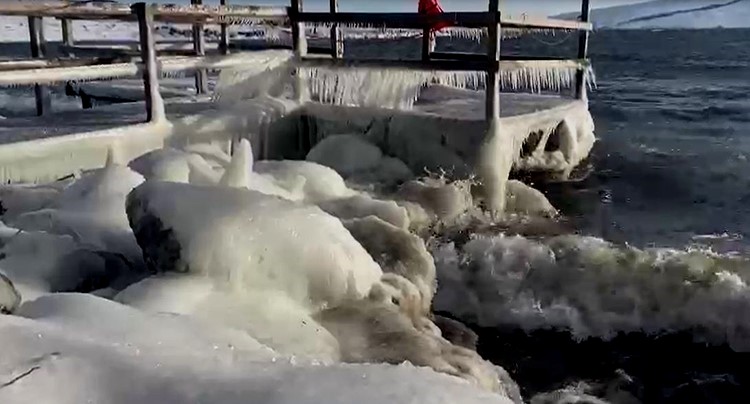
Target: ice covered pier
432	111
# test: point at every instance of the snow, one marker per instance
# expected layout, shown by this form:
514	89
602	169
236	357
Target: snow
692	14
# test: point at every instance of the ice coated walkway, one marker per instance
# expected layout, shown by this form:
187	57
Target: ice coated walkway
102	117
445	102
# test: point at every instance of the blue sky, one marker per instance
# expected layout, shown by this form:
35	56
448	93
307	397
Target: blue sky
547	7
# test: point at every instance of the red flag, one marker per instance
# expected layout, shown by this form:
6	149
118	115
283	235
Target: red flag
432	7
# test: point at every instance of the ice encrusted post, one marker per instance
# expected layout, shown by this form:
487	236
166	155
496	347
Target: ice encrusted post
154	104
583	50
496	154
493	59
199	47
337	39
38	49
299	43
224	39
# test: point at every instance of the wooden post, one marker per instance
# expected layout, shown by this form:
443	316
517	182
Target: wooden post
492	102
224	40
299	44
337	39
67	35
38	49
583	50
199	46
145	16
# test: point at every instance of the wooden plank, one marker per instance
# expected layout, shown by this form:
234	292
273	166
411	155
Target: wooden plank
38	49
54	63
483	56
459	19
224	38
337	38
166	13
145	16
583	50
480	65
396	20
199	47
492	95
535	22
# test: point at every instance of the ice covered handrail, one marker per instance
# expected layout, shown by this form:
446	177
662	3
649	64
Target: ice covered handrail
165	13
97	71
419	21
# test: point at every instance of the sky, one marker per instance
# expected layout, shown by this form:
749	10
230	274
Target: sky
537	7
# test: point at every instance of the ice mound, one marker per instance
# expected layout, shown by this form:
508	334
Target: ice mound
250	240
91	210
594	288
69	349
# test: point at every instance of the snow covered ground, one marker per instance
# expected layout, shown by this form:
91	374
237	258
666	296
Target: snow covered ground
689	14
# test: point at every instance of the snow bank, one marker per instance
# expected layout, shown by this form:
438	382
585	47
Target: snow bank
594	288
79	348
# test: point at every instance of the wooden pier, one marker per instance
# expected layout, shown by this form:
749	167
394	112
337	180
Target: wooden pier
40	71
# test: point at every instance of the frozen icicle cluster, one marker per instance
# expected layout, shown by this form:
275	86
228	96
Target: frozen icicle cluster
264	73
384	88
537	76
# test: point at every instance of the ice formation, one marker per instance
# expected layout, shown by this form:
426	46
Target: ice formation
73	348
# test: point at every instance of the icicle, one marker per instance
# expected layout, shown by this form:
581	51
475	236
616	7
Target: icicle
237	174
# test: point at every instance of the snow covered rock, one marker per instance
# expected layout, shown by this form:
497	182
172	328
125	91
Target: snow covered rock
250	241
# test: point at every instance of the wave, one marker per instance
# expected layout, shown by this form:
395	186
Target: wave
593	288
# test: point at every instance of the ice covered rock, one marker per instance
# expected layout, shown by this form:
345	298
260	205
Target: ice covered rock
523	199
316	182
445	200
370	331
399	252
91	210
347	154
9	296
39	263
269	316
83	348
249	240
360	206
176	166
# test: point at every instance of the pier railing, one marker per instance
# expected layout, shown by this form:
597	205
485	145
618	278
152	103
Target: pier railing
40	71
